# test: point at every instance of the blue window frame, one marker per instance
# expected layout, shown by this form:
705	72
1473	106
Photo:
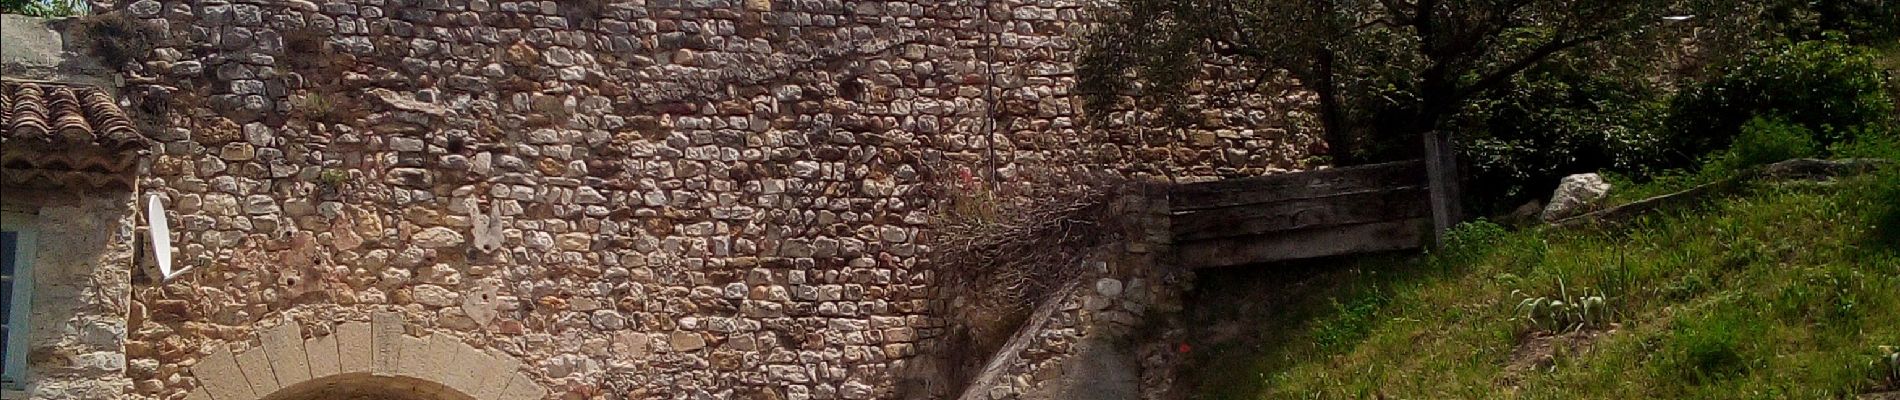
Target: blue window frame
17	240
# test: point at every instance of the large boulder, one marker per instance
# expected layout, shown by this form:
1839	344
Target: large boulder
1577	194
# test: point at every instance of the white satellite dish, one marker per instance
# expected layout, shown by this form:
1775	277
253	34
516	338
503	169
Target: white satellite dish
161	237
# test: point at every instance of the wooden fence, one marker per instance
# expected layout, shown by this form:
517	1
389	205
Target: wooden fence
1302	215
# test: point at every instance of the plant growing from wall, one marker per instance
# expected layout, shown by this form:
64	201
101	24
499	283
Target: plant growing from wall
998	256
117	39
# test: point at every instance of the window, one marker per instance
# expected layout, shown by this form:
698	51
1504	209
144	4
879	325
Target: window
16	291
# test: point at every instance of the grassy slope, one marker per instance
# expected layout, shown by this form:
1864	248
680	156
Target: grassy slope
1785	292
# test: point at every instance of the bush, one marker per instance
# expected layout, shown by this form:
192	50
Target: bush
1829	89
1764	141
1870	142
1552	122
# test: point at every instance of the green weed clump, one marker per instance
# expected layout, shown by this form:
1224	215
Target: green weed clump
1707	350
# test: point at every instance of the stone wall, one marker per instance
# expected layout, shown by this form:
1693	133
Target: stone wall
81	276
646	198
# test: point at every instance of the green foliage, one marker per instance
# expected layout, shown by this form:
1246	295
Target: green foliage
1889	358
1518	141
1862	22
46	8
1713	301
1828	88
1884	199
1563	311
1349	323
1472	239
1764	141
1384	72
1708	349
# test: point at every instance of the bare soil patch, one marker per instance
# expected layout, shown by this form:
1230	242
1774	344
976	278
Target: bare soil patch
1539	351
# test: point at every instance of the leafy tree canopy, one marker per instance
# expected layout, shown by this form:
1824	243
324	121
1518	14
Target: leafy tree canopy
1384	71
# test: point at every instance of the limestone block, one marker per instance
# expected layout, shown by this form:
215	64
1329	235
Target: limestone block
200	394
480	305
683	341
284	345
354	348
258	372
495	383
219	376
322	352
521	387
386	342
415	355
487	232
468	368
437	360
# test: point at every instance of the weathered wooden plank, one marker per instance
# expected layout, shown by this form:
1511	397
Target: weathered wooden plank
1340	209
1295	186
1441	175
1304	244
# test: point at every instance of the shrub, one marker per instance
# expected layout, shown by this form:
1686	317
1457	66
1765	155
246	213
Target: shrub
1470	240
1870	142
1764	141
1552	122
1822	86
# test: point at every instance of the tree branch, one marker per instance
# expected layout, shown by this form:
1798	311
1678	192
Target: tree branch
1540	54
1400	12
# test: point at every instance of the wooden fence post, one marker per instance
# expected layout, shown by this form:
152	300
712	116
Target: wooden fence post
1441	172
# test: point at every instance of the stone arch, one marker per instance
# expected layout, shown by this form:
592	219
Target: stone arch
367	358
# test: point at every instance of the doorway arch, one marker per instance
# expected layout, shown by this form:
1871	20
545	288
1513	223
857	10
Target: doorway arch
368	387
372	360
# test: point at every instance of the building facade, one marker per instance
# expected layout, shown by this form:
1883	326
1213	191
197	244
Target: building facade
471	199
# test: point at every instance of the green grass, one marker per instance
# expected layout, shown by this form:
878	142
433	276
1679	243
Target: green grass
1786	291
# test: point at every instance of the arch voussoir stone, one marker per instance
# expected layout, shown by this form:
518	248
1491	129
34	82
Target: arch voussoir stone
359	351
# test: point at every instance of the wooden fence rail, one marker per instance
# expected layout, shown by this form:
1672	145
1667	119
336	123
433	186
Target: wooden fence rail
1312	214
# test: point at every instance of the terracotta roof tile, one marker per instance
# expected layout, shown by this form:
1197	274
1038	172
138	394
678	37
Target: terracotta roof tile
65	135
56	114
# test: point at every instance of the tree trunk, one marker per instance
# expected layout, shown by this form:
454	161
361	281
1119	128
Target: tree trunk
1332	119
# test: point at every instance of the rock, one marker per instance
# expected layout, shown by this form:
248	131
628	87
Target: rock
394	100
258	204
434	296
437	237
238	152
1527	214
609	320
574	241
1575	195
1108	287
686	341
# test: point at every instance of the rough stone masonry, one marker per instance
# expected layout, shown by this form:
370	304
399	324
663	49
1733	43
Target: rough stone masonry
683	199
